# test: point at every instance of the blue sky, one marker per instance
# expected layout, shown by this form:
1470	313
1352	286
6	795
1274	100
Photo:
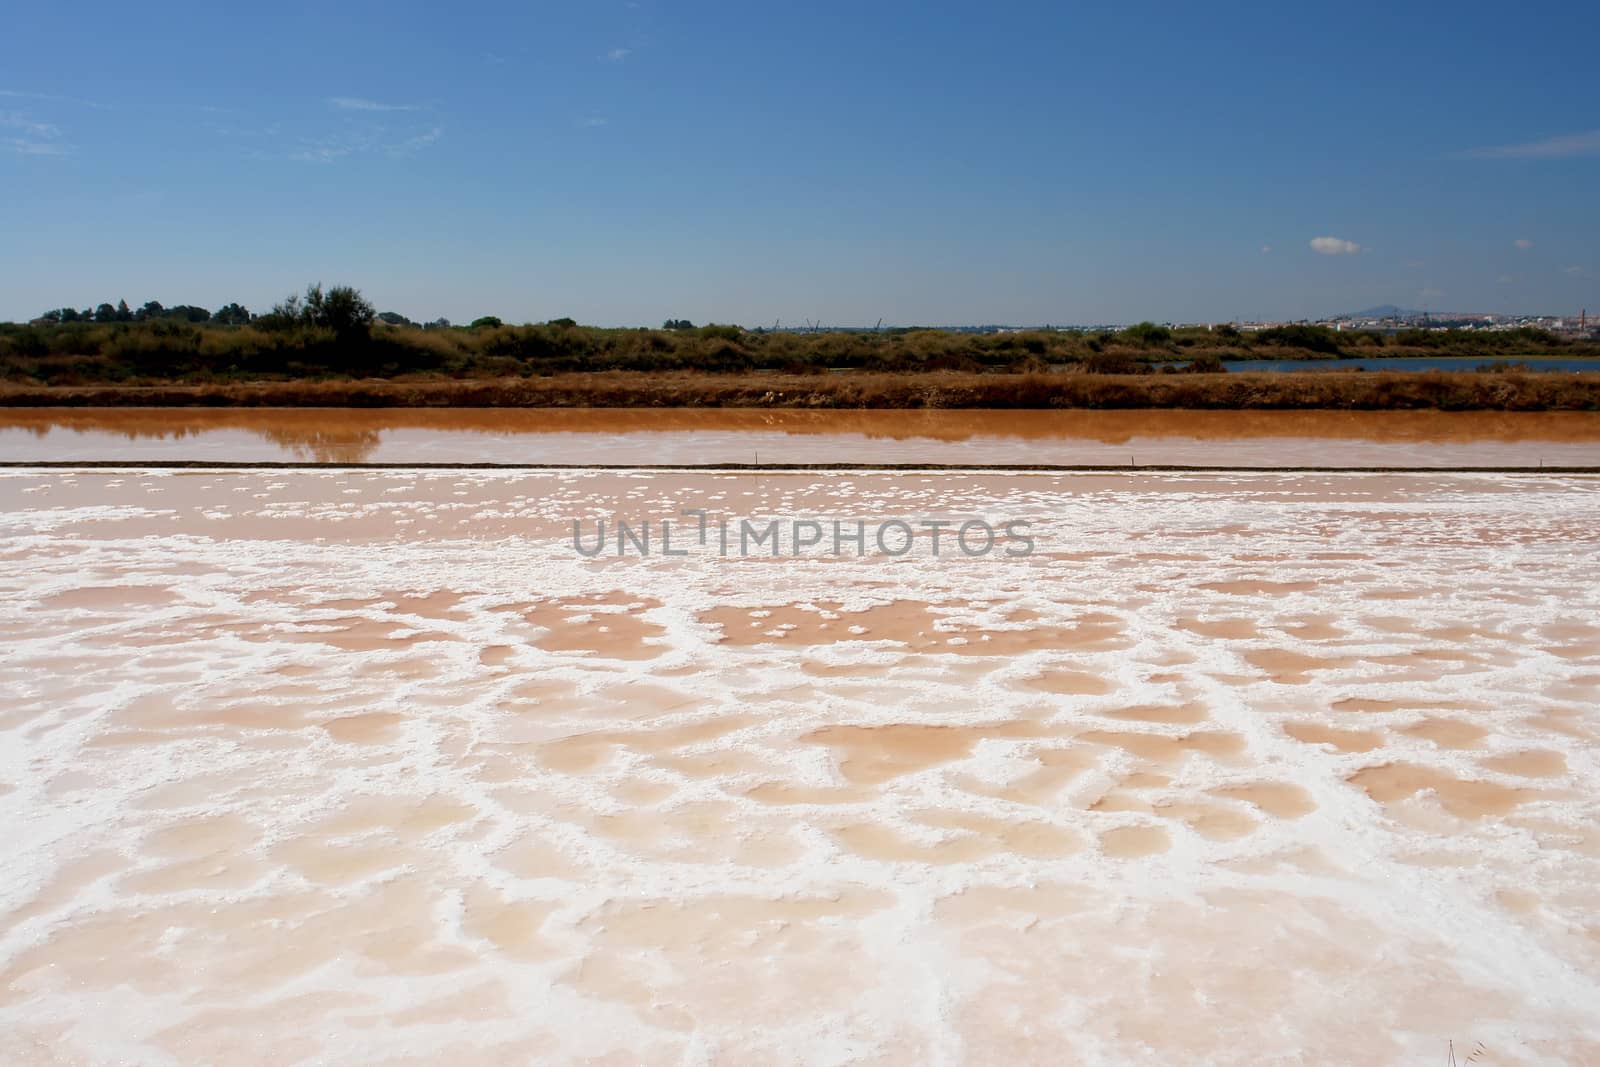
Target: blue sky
925	163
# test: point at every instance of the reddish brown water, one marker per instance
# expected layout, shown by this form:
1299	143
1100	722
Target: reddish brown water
711	435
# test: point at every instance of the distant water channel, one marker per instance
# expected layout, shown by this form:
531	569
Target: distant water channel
1466	363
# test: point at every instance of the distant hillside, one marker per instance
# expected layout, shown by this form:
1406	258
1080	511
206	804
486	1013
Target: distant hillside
1385	311
1390	311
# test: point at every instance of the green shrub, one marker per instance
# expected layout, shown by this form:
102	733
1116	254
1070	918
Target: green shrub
1311	338
1146	334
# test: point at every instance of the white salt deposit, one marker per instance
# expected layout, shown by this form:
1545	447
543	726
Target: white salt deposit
377	769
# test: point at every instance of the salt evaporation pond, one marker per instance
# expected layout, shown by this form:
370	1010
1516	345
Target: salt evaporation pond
355	766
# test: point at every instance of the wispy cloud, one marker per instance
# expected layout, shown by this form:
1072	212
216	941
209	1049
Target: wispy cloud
420	141
365	131
18	94
1522	244
1574	270
1266	250
16	121
361	103
1334	246
362	141
34	138
320	153
328	149
592	123
24	147
1569	146
617	55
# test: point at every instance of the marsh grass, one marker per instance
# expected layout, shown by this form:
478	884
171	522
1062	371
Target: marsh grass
274	349
1372	390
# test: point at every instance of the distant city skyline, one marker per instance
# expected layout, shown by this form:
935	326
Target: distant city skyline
236	314
625	163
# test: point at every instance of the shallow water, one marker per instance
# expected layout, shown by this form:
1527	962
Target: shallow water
1424	363
372	767
710	436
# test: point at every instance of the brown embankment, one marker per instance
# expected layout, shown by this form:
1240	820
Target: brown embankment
1381	390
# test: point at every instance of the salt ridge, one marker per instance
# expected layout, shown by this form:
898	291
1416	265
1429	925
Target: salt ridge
1509	558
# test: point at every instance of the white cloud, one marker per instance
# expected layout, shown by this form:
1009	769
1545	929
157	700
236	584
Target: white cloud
328	149
1266	250
17	121
592	123
358	142
421	140
17	94
37	138
323	153
1334	246
1505	279
1574	270
359	103
617	55
1566	147
1523	244
24	147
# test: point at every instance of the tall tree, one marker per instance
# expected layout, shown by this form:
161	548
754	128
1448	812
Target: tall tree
341	309
231	315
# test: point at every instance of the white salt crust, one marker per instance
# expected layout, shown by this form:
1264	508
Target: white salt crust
167	664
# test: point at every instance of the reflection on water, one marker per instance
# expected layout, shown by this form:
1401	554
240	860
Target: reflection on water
324	444
713	435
